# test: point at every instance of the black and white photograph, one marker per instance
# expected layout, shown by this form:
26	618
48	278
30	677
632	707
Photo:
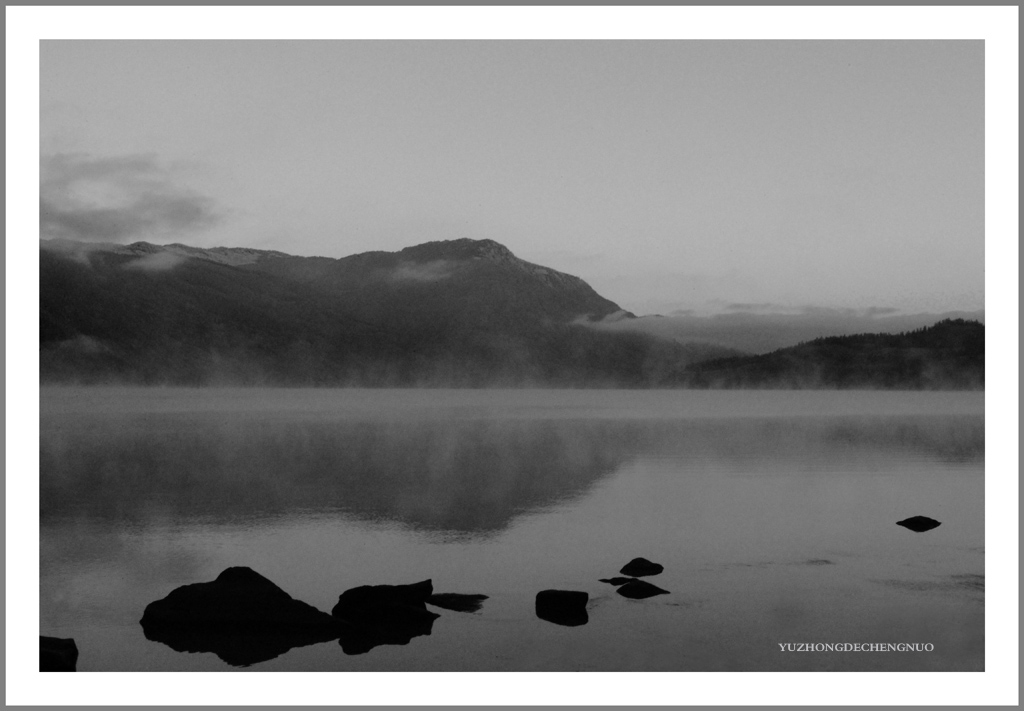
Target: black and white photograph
606	354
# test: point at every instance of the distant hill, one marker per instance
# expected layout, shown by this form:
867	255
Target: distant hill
755	331
455	313
948	355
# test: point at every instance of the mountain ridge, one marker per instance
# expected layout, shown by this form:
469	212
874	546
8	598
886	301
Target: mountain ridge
426	262
433	253
461	313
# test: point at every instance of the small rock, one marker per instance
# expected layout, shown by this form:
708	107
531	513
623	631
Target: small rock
563	607
919	524
640	567
383	614
639	590
383	602
615	581
57	655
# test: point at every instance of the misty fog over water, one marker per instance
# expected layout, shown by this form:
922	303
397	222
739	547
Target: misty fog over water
773	514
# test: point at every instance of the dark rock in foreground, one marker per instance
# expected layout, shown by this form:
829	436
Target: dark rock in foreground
919	524
615	581
380	602
239	596
563	607
57	655
457	601
639	567
242	617
383	614
639	590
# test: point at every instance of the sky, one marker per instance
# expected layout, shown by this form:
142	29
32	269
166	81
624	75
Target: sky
672	176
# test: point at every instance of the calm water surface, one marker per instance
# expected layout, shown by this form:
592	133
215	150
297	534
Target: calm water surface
772	512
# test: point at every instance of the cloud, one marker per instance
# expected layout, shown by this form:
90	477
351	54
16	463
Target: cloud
76	251
82	344
773	309
758	308
880	311
156	262
426	272
116	199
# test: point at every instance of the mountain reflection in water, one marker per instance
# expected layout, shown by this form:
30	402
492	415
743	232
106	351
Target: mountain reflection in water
460	476
774	516
469	477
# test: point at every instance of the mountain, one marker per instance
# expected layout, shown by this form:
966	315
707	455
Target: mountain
464	313
949	355
458	282
453	313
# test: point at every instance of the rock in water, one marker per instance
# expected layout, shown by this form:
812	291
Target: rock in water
383	601
57	655
241	617
638	590
383	614
615	581
239	596
919	524
563	607
457	601
639	567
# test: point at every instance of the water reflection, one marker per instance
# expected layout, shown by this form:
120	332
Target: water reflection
769	528
457	602
461	476
360	640
238	648
471	477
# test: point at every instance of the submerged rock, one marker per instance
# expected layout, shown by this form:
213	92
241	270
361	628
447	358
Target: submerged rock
242	617
373	615
457	602
563	607
640	567
615	581
639	590
57	655
919	524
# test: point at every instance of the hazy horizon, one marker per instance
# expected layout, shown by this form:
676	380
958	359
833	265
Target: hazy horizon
669	175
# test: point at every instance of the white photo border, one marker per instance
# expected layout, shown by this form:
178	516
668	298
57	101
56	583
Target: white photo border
997	26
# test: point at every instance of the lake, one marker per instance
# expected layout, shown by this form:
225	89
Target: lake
773	513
